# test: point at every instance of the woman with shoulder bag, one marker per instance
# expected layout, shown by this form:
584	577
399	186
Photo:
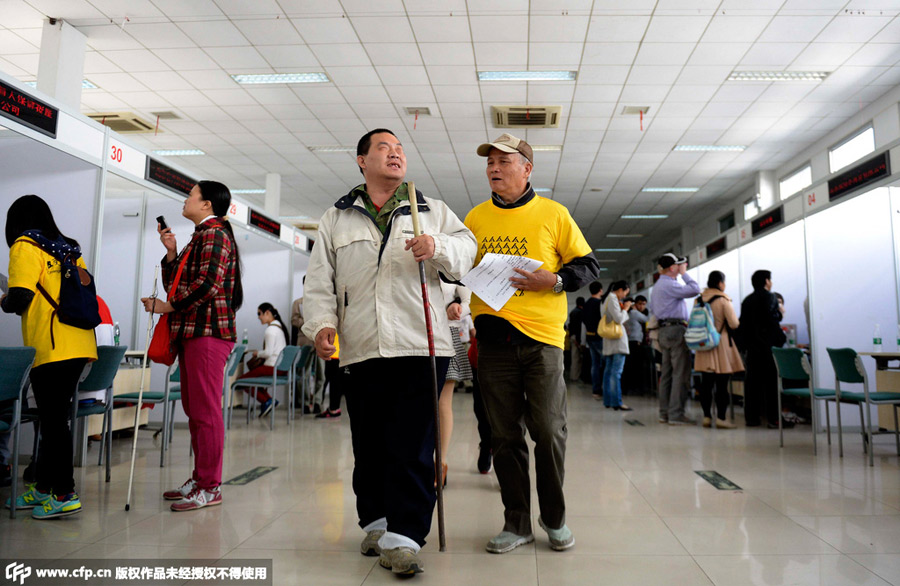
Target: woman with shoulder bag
201	324
615	349
36	246
717	365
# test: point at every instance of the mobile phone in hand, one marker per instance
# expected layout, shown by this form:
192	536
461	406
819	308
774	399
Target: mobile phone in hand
162	222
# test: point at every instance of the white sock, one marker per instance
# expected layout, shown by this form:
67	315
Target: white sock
376	525
394	540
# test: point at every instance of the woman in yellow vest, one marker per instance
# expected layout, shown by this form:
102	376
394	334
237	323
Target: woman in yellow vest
62	351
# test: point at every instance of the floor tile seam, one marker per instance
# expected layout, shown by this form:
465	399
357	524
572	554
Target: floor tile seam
809	531
683	546
852	557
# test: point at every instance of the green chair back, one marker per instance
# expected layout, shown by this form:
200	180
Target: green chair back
844	362
790	363
305	352
287	358
104	369
175	377
16	363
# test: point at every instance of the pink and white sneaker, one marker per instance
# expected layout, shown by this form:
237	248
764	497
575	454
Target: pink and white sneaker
197	499
181	492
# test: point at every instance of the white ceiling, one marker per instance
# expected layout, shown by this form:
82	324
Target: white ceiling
384	55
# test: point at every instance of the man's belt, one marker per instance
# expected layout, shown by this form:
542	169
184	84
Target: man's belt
672	322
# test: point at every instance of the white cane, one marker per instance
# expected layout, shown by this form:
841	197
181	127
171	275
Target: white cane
137	413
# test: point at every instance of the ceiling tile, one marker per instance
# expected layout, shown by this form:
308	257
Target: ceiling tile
136	60
549	92
164	80
411	94
230	97
271	31
796	29
696	75
876	54
607	74
597	93
288	56
501	54
383	29
827	55
441	29
207	79
447	53
650	75
643	95
452	75
367	7
214	33
691	93
18	15
558	29
727	29
609	53
508	94
501	28
255	8
193	8
403	75
191	59
353	76
73	9
161	35
108	38
853	28
341	54
776	55
675	29
94	62
367	95
395	54
118	82
237	58
614	28
13	44
718	53
325	30
664	53
273	96
462	93
554	54
740	92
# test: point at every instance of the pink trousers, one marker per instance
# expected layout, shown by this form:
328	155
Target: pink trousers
202	361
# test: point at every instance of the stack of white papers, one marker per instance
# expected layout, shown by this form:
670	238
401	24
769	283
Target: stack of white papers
490	279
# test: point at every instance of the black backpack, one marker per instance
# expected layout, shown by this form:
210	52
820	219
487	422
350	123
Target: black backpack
77	305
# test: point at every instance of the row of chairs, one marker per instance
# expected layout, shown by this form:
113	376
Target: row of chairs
793	364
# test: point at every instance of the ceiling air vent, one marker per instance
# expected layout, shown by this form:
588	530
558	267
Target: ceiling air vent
124	122
167	115
635	110
526	116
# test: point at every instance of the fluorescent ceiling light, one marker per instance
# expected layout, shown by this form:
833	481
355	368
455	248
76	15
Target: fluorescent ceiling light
612	250
178	152
709	147
644	216
543	190
624	235
527	75
245	191
546	147
778	75
670	189
602	269
281	78
332	149
85	84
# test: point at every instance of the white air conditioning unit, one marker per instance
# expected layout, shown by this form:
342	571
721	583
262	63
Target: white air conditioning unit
124	122
526	116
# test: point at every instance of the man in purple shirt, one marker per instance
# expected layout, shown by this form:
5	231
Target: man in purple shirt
667	304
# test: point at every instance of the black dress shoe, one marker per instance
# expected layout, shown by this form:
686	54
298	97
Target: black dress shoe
624	408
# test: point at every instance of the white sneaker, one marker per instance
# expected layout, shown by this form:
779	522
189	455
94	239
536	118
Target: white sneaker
181	492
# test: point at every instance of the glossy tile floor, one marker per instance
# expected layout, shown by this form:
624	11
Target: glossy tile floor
639	513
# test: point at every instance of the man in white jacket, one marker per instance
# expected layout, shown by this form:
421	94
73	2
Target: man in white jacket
363	284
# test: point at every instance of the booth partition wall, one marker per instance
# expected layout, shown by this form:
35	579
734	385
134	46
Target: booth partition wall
841	264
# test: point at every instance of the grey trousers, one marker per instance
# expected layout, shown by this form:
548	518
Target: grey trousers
674	382
522	386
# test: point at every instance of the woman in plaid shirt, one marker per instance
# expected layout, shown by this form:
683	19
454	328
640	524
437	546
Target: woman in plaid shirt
202	324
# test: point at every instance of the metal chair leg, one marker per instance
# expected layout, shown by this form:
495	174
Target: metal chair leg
827	422
814	422
165	433
837	405
869	434
108	440
896	430
862	421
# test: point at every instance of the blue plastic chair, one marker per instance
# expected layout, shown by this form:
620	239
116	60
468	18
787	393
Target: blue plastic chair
287	362
17	364
100	377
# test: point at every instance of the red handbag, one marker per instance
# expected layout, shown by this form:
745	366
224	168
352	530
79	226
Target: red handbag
162	350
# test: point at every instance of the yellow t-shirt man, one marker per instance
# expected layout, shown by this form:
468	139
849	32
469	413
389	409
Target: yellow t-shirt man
541	229
53	341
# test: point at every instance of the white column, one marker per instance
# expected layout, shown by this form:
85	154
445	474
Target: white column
273	194
61	65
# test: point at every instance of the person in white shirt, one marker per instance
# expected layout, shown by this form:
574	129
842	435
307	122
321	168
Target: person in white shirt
262	362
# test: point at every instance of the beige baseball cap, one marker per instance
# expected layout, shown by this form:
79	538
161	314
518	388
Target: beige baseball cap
508	144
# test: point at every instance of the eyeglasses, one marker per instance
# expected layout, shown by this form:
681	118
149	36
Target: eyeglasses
258	313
